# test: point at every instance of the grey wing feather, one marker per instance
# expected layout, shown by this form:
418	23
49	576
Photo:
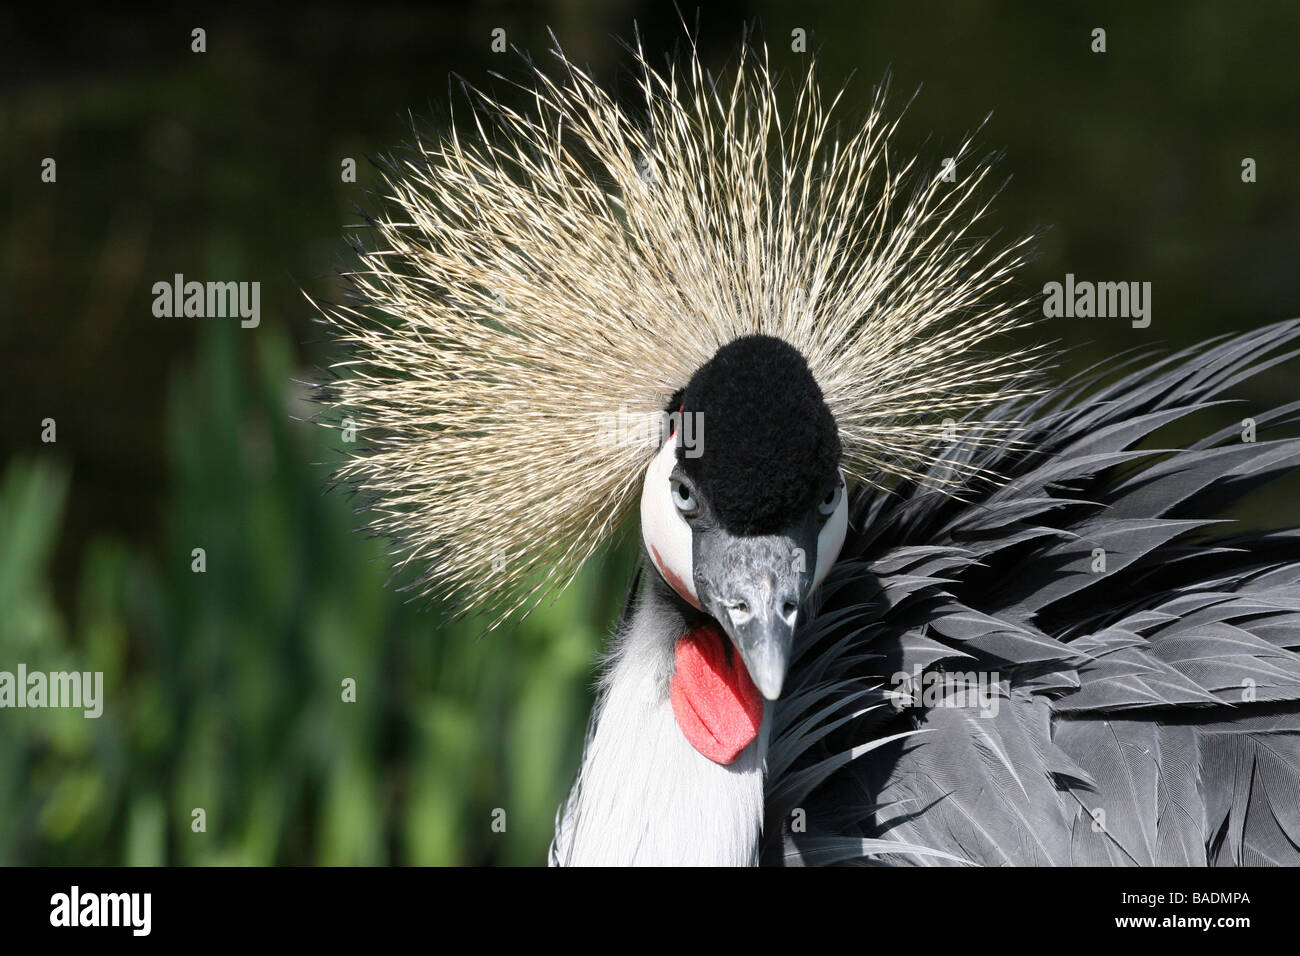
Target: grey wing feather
1143	661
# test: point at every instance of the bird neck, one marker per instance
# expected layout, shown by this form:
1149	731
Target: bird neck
644	794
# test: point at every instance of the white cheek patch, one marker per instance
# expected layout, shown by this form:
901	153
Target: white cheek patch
666	534
831	538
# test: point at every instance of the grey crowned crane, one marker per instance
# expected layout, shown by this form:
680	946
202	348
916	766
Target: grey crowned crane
900	601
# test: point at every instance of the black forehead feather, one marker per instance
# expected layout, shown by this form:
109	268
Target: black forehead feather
770	445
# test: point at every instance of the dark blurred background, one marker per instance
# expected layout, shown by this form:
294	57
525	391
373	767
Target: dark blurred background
223	688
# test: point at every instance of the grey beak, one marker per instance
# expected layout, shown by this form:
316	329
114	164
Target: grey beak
762	627
753	586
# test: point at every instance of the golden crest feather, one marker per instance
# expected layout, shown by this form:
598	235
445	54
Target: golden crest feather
537	280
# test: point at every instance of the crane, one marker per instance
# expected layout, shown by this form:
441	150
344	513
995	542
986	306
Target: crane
902	599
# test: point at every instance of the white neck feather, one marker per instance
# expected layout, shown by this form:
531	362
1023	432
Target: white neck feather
644	795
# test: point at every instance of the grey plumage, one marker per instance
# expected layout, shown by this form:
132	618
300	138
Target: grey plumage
1147	713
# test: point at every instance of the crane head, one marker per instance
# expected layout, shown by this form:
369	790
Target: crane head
744	509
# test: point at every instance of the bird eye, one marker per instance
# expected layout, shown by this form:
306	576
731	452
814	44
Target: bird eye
683	498
826	507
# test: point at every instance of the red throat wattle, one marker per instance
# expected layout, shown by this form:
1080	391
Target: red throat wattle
716	704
